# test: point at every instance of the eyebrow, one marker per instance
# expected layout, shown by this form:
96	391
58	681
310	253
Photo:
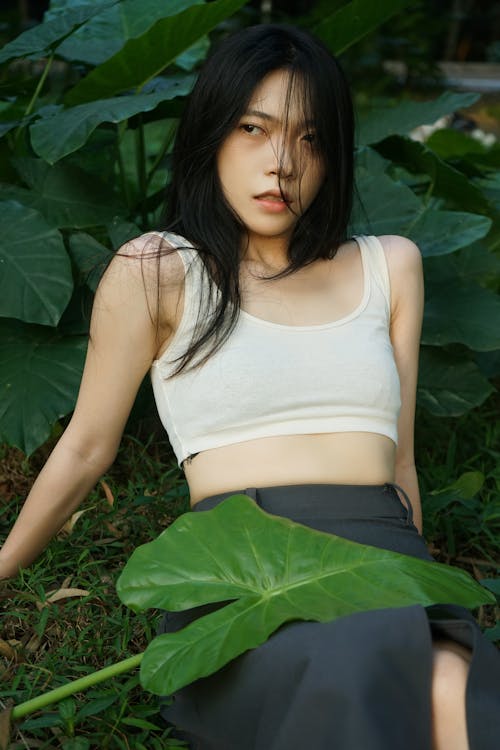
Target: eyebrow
270	118
262	115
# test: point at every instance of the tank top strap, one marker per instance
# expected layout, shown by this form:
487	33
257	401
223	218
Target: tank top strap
376	264
186	251
195	286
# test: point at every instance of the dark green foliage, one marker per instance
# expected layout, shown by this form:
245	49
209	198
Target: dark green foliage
85	147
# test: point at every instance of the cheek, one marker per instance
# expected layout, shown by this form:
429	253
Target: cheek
319	174
222	167
313	180
230	166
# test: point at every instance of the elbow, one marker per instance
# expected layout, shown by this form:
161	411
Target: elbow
101	458
94	456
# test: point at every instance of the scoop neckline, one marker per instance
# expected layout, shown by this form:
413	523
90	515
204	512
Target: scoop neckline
333	323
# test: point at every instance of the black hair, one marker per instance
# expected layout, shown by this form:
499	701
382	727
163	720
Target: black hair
196	207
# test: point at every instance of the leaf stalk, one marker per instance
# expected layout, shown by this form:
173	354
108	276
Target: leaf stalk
83	683
36	94
141	170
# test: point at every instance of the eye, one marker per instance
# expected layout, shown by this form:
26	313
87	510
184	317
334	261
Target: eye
310	138
251	129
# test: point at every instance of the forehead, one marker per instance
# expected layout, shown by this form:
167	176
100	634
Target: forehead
282	96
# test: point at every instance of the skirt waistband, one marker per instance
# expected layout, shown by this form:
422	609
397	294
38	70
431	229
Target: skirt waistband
324	500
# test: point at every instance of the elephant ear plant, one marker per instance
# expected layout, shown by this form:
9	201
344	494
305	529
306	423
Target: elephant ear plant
89	102
267	571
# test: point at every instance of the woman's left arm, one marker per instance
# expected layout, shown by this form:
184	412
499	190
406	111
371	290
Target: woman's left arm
404	263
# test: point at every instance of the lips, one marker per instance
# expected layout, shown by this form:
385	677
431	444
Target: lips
274	196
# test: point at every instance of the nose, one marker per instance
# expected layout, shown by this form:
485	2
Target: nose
281	160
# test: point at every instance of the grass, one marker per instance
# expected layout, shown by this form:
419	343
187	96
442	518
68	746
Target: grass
46	640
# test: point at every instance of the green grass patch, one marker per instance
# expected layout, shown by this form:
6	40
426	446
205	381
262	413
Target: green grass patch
63	618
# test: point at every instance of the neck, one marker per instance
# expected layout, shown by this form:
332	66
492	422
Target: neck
271	253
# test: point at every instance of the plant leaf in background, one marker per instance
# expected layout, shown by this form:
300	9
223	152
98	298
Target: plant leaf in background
448	143
143	58
40	373
105	33
464	313
104	160
90	257
66	131
477	263
42	39
390	206
35	270
447	182
352	22
449	385
400	118
276	571
66	195
393	208
439	232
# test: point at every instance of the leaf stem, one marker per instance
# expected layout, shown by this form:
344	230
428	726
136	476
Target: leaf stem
39	87
36	94
121	168
83	683
140	153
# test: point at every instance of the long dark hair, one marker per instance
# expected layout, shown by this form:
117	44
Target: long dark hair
196	207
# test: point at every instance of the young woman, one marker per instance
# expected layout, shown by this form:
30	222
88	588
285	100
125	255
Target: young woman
283	357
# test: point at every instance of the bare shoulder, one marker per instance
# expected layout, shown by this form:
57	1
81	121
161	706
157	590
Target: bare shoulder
404	263
144	265
146	277
402	254
152	259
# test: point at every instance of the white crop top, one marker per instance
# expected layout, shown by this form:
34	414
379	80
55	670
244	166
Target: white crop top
270	379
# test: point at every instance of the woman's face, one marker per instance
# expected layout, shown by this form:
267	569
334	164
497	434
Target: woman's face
268	166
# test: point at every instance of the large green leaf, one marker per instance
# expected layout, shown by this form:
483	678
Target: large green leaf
194	54
439	232
277	571
447	182
351	23
449	385
40	374
42	39
105	34
388	205
65	195
13	114
35	271
461	312
145	57
448	143
121	231
490	184
66	131
392	208
477	262
90	257
401	117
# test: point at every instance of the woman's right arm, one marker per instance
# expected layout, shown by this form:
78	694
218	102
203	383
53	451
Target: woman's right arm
124	339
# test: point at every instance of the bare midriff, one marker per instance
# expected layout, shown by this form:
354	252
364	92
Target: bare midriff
338	458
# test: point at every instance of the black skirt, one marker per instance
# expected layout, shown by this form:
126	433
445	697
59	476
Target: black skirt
361	682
